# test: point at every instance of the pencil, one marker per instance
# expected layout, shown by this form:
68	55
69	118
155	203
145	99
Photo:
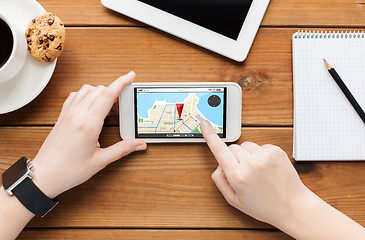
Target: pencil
345	90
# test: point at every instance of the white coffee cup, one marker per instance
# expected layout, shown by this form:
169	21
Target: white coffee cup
19	53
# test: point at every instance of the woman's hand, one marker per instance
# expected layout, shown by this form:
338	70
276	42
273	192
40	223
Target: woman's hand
71	154
259	181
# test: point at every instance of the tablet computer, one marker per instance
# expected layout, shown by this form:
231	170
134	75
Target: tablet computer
227	27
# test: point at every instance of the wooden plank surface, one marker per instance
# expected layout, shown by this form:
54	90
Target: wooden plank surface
158	234
169	187
99	55
153	191
329	13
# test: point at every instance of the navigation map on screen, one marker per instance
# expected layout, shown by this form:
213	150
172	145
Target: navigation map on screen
177	112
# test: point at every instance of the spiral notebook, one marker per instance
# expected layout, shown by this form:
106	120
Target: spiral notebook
326	126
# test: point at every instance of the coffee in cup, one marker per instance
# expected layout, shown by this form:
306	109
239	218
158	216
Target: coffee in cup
6	42
13	47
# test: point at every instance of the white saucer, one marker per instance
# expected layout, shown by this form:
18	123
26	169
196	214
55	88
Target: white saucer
34	76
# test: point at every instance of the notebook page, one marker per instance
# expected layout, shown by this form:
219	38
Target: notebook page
326	126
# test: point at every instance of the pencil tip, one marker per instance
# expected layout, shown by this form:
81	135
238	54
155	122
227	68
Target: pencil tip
327	64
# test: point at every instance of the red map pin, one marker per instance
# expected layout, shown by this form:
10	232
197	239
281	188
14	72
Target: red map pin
179	107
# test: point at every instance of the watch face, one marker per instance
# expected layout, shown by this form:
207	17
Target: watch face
16	171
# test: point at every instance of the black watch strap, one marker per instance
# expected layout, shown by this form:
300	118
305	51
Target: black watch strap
33	198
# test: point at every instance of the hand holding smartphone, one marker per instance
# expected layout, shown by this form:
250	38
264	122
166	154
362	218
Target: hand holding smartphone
172	112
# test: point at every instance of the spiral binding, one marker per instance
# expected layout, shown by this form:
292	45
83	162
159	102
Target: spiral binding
301	34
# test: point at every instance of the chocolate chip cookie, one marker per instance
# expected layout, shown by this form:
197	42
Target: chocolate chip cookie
45	37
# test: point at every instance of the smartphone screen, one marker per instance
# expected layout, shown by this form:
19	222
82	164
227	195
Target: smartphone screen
162	112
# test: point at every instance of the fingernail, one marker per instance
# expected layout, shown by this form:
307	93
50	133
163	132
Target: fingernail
141	147
205	123
130	73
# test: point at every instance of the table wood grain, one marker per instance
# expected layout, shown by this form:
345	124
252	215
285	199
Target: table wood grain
98	55
153	234
324	13
166	192
169	187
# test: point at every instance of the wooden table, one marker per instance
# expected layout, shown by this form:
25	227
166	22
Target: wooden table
167	192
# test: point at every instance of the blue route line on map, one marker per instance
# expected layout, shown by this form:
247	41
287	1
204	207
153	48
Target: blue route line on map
195	128
185	125
160	118
188	127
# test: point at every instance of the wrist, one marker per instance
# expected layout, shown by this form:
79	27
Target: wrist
10	206
300	213
44	180
312	218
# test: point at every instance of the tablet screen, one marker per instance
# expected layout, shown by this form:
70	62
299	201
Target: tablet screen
225	17
177	112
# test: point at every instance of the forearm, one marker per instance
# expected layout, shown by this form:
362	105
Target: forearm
312	218
13	216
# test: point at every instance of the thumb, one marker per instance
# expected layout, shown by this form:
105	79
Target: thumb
121	149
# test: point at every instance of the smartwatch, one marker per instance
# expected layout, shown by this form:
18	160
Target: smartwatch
17	180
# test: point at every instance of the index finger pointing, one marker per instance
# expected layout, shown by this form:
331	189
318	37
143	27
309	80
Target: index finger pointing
222	153
103	105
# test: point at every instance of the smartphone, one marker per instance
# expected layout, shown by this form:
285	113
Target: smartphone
172	112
